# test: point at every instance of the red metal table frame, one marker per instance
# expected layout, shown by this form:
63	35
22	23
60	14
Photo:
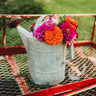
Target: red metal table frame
62	89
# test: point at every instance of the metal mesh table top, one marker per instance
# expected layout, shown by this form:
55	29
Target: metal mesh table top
84	58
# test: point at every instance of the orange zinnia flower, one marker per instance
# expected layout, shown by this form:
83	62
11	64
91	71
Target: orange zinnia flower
72	22
54	37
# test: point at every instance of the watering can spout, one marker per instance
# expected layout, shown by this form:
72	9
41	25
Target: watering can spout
24	34
15	23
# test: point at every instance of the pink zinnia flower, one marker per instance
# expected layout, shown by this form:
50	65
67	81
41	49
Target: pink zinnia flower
68	31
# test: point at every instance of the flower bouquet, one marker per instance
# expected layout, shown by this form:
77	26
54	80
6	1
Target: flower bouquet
54	30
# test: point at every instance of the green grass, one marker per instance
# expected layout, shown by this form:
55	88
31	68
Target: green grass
85	27
69	6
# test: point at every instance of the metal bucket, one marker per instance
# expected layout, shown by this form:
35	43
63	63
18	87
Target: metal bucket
46	64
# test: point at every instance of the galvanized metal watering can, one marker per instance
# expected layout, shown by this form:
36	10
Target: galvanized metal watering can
46	63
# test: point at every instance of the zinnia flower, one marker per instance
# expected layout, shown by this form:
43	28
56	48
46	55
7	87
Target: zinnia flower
39	33
54	37
50	25
68	31
72	22
72	41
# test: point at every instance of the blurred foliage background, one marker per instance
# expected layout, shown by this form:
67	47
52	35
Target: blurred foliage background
47	6
20	7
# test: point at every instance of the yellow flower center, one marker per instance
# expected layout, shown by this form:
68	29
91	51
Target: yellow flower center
68	30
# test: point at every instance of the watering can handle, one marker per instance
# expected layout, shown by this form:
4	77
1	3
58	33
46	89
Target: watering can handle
71	52
39	22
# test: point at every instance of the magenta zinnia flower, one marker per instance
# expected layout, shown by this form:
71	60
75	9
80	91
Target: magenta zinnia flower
50	25
39	33
68	31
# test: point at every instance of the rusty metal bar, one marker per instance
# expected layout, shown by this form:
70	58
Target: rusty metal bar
80	43
38	15
93	34
24	16
93	45
12	50
4	31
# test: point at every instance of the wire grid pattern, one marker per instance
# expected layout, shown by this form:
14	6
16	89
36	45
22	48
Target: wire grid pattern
91	92
8	86
84	30
12	35
12	88
1	32
85	27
